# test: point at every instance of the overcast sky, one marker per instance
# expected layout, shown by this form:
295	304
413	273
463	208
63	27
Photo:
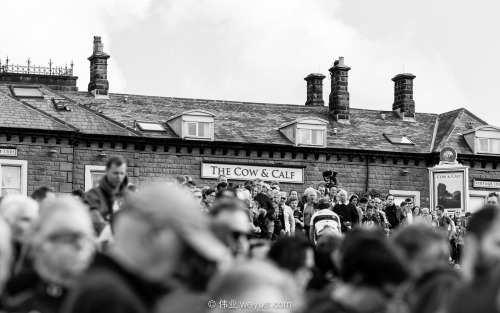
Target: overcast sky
260	51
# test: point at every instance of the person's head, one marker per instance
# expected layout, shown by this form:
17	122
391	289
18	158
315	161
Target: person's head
226	193
154	229
404	206
43	193
275	185
354	199
6	255
222	186
222	179
482	238
283	197
410	202
425	212
333	191
197	195
492	199
370	211
231	224
310	195
209	196
116	170
371	269
423	247
389	200
296	255
322	188
77	193
21	214
257	282
294	203
459	222
258	185
342	196
180	181
294	193
377	203
324	204
63	241
363	203
416	210
324	251
440	210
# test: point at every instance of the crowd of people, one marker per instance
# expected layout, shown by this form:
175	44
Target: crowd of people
252	247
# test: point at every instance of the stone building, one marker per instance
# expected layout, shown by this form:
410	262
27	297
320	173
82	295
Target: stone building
52	134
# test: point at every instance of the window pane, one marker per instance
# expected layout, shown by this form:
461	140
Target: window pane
494	145
305	136
27	92
483	145
11	180
150	126
96	177
317	137
203	129
191	129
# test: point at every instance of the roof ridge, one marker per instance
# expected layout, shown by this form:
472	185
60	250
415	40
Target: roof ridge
42	112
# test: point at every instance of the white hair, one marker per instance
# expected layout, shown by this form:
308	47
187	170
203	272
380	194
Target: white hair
342	191
309	191
14	206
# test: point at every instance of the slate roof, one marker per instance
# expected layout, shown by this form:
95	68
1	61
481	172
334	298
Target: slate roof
18	115
451	125
235	122
80	118
258	122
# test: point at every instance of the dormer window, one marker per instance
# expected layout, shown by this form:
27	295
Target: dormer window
194	125
307	131
150	126
398	139
26	91
483	139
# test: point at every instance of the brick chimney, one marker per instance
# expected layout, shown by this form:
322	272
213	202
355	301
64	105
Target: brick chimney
315	89
99	85
339	95
403	95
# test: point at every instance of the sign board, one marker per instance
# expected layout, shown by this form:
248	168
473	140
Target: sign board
248	172
449	187
12	152
494	184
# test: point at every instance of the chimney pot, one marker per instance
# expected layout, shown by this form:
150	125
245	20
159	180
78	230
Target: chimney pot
404	104
315	89
98	85
339	94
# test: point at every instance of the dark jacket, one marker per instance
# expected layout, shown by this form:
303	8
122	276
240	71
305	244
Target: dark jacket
394	215
27	292
267	204
347	213
109	288
100	200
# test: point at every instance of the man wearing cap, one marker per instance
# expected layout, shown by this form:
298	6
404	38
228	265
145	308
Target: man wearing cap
151	234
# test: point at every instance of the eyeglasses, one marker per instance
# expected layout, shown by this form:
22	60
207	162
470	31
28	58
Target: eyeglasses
212	195
284	198
67	237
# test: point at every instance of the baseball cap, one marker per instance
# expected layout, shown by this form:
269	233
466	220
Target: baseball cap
165	206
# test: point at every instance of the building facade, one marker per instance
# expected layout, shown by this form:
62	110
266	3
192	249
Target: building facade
53	135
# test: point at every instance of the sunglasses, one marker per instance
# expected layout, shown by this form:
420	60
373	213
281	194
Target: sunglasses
284	198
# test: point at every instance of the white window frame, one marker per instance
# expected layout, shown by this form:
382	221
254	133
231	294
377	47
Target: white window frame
209	130
489	145
88	174
24	172
408	194
479	194
310	130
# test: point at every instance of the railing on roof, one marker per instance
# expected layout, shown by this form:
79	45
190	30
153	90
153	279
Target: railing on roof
37	70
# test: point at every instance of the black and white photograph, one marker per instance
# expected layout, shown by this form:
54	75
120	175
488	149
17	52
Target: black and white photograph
281	156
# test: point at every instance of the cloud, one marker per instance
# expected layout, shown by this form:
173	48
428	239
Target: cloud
63	31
